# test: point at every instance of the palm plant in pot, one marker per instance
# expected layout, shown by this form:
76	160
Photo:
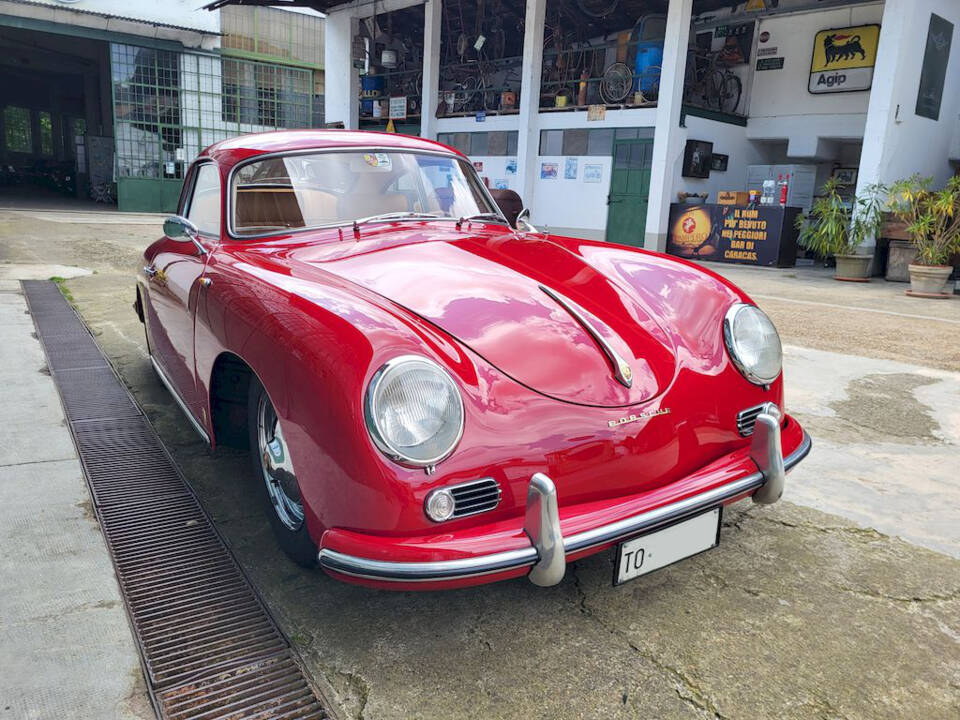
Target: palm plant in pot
838	227
932	218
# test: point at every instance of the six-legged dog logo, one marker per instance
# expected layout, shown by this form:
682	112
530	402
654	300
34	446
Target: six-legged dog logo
838	47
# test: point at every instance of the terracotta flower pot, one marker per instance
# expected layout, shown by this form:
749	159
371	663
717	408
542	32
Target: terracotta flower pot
929	280
853	268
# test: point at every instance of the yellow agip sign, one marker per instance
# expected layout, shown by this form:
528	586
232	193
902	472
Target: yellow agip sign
843	59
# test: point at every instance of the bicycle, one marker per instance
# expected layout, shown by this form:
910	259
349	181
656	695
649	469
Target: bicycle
709	83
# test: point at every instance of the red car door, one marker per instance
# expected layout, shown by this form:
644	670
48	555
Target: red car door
174	271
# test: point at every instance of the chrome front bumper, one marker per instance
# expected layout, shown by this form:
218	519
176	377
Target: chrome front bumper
546	555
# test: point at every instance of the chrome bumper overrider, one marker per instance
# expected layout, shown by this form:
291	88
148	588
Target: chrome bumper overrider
546	555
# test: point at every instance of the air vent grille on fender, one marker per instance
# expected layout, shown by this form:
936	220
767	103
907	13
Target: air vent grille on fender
475	497
746	419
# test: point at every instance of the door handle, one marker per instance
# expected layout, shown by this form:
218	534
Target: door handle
613	202
150	271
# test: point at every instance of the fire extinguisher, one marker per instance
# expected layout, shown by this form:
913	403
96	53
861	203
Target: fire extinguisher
784	186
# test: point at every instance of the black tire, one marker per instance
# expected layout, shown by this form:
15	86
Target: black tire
730	96
295	541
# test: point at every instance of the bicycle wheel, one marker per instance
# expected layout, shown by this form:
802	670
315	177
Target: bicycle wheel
730	95
713	90
616	83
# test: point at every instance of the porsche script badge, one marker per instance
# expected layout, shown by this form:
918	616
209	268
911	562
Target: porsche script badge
640	416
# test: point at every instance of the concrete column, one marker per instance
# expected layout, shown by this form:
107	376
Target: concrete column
528	142
668	136
897	142
341	79
432	22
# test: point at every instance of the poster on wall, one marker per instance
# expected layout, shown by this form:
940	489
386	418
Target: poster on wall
549	171
696	159
398	108
512	166
728	233
843	59
719	162
570	168
737	43
934	71
592	173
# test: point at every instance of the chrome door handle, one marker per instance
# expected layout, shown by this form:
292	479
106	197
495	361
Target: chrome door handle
150	271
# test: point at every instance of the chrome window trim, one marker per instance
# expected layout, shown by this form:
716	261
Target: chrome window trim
484	191
184	207
389	571
369	413
728	319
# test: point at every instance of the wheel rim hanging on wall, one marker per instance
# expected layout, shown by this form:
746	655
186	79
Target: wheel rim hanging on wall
616	83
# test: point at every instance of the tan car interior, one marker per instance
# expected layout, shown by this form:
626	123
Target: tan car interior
265	207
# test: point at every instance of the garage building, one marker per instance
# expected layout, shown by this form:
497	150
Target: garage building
110	100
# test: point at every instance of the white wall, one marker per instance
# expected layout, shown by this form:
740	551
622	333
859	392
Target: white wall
495	168
572	207
781	108
728	140
898	142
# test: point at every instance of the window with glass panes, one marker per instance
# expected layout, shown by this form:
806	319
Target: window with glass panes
16	129
590	142
496	143
168	106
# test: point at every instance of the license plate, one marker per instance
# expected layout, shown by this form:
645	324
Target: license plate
660	548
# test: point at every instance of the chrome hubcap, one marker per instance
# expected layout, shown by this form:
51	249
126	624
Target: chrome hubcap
277	467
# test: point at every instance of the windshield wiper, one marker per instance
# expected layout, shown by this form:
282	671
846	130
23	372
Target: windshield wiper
494	217
395	216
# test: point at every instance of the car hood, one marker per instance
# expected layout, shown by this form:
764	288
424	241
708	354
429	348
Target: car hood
528	306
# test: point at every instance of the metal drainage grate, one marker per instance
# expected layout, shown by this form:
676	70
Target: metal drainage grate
208	645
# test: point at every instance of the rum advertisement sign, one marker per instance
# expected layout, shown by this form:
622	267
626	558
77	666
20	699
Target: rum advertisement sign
734	234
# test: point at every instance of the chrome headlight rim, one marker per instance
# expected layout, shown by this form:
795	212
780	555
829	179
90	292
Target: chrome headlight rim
730	341
369	412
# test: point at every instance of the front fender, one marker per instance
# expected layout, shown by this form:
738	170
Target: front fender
314	342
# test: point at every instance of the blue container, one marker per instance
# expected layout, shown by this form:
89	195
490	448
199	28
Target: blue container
647	65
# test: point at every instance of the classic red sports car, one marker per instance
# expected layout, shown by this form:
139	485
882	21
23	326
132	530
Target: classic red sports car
433	398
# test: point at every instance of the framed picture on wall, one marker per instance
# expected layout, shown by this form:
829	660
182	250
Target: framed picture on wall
718	162
696	159
845	175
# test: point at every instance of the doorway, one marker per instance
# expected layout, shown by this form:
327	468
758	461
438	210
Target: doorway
629	190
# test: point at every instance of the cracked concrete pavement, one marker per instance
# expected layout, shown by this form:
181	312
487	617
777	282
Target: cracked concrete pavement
842	601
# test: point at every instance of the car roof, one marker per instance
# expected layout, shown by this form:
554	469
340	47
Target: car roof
229	152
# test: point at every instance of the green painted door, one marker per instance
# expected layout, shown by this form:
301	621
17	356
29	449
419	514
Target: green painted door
629	188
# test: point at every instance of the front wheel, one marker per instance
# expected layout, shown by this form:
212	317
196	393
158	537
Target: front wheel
276	479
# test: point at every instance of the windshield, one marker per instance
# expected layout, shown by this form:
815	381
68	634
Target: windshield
335	188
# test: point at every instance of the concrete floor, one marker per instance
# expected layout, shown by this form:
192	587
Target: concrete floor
842	601
67	649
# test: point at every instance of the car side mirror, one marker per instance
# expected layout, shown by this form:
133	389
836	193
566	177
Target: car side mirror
177	227
523	223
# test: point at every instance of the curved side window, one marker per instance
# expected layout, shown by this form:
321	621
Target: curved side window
203	208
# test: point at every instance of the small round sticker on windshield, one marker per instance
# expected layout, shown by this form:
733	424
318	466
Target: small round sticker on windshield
377	160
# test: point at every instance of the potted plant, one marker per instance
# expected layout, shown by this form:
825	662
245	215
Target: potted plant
932	218
838	227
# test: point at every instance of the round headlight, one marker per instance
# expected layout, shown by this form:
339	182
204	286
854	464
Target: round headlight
753	343
414	412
